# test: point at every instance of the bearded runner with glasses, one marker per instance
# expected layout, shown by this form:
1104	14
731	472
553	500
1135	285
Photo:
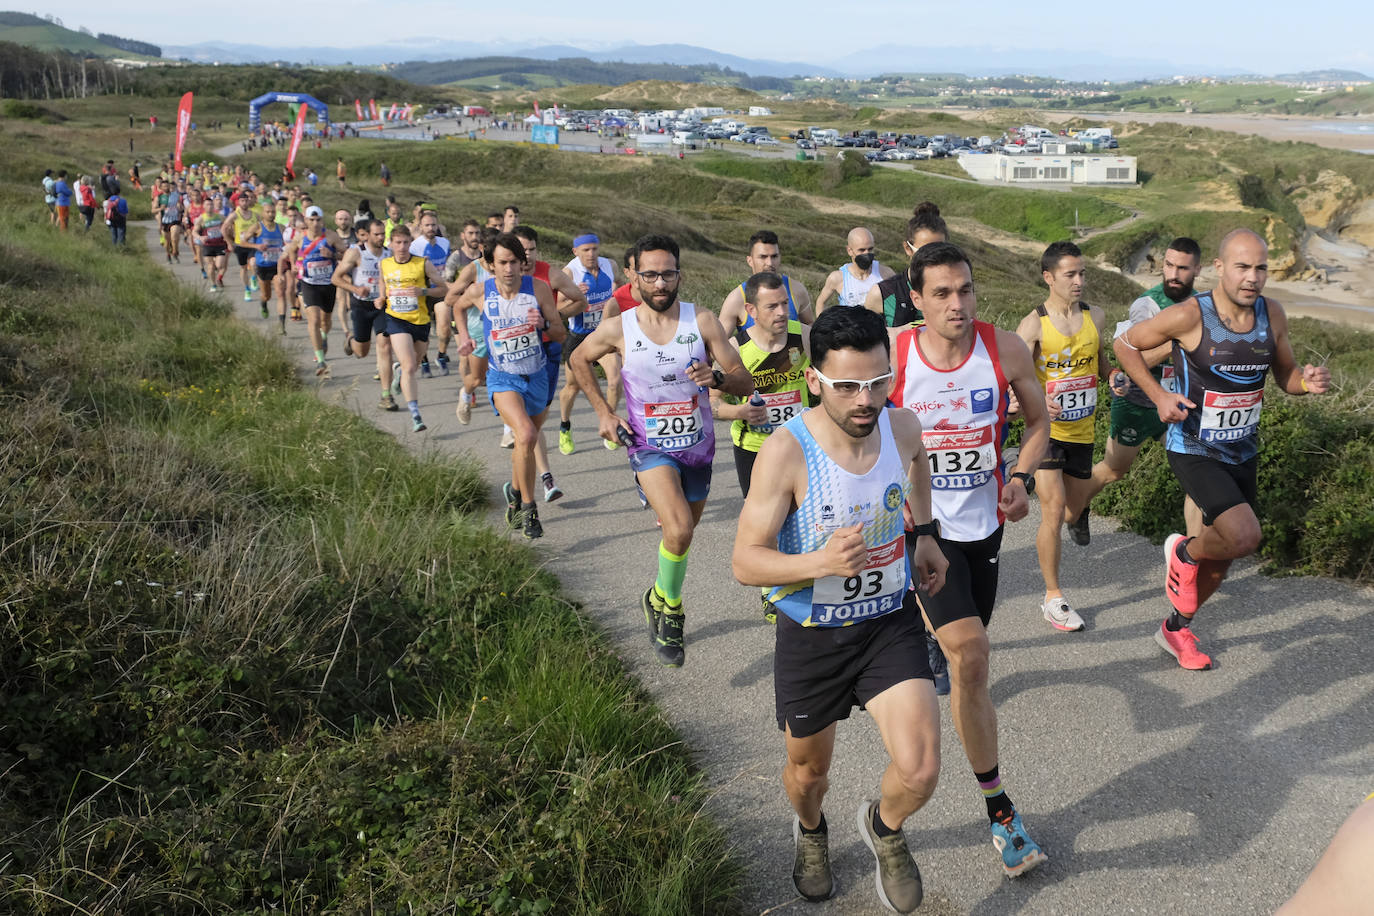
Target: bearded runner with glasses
953	372
823	526
668	349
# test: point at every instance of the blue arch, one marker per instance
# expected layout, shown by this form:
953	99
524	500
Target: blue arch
295	98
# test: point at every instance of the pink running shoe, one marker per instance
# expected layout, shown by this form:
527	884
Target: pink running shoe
1182	645
1180	578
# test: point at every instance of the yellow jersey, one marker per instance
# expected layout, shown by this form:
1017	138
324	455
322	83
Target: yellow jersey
411	308
1067	368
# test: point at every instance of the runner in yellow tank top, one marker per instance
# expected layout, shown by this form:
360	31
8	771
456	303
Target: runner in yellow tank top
239	225
408	284
1065	336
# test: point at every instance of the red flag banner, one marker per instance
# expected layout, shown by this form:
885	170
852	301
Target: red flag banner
358	107
183	126
391	115
372	107
295	141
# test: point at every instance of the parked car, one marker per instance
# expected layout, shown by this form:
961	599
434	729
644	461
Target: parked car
804	143
767	141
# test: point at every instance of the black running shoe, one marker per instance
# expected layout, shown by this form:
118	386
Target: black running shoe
668	644
1078	530
532	528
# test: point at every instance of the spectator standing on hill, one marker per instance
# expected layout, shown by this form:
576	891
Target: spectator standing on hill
116	217
50	195
85	200
63	194
341	172
1224	344
386	175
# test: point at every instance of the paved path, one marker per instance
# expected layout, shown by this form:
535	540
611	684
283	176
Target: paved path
1153	789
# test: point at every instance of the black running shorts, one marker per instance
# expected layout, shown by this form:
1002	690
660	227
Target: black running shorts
1073	458
970	584
266	273
319	297
821	673
366	320
244	254
1215	485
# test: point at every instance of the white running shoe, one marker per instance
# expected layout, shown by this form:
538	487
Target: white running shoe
1061	616
464	409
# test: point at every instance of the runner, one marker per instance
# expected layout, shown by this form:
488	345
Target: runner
167	206
408	284
314	253
595	277
822	528
776	351
953	371
1225	342
195	206
267	241
430	244
851	282
626	295
469	249
892	297
765	256
510	218
515	308
240	225
360	273
1134	419
209	230
341	173
1065	337
393	219
668	349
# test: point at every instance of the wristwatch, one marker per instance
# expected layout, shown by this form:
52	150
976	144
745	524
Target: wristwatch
717	378
1023	477
929	529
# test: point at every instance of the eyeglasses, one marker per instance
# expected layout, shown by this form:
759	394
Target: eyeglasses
653	276
851	387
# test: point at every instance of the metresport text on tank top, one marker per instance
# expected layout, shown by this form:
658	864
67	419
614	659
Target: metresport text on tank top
1224	378
512	339
667	411
836	498
963	415
599	291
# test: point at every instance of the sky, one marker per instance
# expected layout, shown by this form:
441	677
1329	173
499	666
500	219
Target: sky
1259	36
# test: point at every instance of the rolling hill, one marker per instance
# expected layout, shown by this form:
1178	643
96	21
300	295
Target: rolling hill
43	35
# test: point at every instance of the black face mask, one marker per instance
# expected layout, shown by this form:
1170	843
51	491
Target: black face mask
863	261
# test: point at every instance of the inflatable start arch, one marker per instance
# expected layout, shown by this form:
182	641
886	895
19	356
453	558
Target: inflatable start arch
294	98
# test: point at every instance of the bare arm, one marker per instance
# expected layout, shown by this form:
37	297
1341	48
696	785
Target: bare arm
738	380
607	338
563	284
437	287
1019	371
343	274
929	561
802	299
732	314
873	300
1308	379
553	323
1181	322
722	409
831	288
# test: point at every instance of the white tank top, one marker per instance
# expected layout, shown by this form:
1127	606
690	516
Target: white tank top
368	273
963	415
854	291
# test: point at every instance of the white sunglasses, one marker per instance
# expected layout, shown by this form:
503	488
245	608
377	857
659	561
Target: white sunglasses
851	387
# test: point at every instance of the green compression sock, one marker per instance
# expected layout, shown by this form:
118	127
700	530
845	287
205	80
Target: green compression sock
672	570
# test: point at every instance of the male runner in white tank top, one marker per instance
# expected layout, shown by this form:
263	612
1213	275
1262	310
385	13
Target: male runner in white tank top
851	282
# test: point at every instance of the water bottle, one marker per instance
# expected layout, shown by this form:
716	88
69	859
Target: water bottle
626	437
756	400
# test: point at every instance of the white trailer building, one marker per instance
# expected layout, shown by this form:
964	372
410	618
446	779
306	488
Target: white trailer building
1051	170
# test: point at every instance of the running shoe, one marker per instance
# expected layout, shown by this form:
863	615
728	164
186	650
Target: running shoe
348	345
552	491
395	380
464	409
324	343
896	875
376	376
1019	852
1182	645
811	874
295	314
443	363
611	445
508	438
565	441
424	369
213	287
203	274
939	665
653	614
770	610
264	310
1078	530
321	368
247	295
512	504
417	425
532	528
1180	577
253	283
1060	615
388	403
668	643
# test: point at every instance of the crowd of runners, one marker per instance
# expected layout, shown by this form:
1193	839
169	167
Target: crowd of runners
868	426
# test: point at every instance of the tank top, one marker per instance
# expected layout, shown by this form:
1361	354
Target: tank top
243	224
779	378
963	415
1224	377
411	308
1164	372
513	344
667	411
1067	369
898	309
193	212
837	499
212	224
600	289
791	305
271	236
368	273
436	251
316	257
853	292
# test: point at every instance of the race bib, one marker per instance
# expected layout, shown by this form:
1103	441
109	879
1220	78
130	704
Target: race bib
272	254
671	426
1229	417
319	270
591	318
1168	380
515	343
962	459
404	304
837	600
213	232
1077	396
781	406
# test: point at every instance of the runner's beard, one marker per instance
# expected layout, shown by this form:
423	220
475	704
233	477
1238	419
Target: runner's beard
1177	291
652	301
844	419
